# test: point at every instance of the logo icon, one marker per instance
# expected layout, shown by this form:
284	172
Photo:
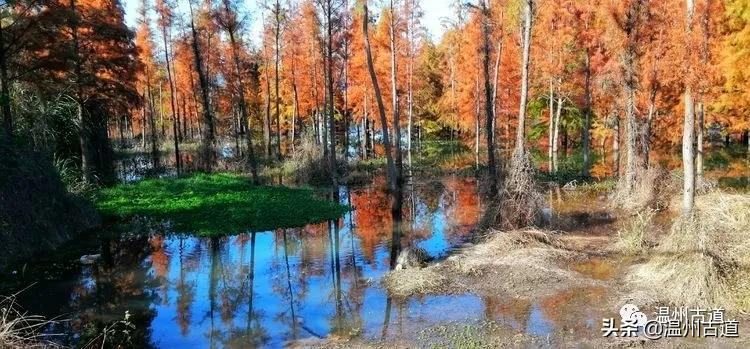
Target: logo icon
631	315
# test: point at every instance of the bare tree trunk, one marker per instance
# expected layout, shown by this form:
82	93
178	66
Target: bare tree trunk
525	62
490	94
379	98
495	84
556	133
365	129
296	107
646	139
175	122
587	115
394	98
616	146
277	61
329	84
688	127
244	115
477	111
631	125
143	121
208	142
267	116
551	126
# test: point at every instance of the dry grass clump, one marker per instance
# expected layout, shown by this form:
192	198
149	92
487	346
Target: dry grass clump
519	203
631	239
502	248
650	184
414	281
20	330
306	163
705	258
525	264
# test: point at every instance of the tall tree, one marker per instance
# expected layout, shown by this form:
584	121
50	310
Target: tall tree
164	9
228	21
525	62
207	151
391	168
688	126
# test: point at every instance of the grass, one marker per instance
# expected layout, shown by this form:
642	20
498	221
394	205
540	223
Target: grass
483	334
705	260
217	204
21	330
415	281
631	239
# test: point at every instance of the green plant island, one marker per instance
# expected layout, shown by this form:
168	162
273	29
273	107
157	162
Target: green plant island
217	204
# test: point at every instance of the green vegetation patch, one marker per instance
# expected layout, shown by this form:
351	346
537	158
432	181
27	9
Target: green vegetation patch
217	204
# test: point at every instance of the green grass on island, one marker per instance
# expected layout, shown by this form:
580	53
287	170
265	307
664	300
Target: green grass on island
217	204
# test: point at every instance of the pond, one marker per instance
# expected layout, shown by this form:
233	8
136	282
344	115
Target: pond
272	288
263	287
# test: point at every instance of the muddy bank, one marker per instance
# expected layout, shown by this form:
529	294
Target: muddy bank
540	288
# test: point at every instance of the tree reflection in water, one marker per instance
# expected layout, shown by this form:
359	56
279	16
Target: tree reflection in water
268	288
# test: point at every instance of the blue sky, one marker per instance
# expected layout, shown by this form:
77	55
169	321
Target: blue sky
434	11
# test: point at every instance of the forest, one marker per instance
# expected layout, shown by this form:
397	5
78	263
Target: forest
328	173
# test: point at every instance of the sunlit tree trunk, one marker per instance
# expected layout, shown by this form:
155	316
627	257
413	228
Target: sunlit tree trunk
525	62
556	134
267	114
379	98
688	126
242	103
175	124
295	114
551	125
394	97
616	146
277	61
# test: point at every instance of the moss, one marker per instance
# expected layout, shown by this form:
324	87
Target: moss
217	204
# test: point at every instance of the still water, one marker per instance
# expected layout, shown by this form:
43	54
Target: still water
272	288
267	288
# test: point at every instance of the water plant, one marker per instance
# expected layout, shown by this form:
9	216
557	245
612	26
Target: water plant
217	204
